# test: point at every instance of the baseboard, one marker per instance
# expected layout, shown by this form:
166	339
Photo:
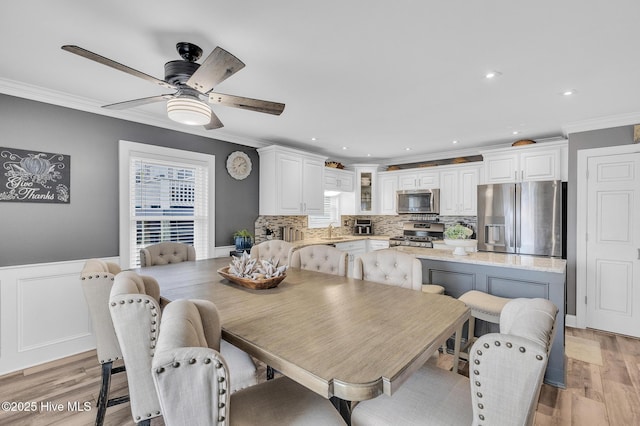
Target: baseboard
571	321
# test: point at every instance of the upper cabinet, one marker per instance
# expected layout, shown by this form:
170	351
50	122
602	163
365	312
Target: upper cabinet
388	185
366	187
291	182
545	161
414	179
458	190
338	180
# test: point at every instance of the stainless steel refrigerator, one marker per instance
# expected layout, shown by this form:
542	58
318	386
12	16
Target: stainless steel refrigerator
522	218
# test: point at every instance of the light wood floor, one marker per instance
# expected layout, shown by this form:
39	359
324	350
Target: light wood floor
603	387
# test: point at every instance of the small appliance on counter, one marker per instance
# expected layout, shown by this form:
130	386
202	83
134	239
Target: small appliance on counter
363	227
418	234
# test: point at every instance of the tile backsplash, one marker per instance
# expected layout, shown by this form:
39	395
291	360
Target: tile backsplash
382	225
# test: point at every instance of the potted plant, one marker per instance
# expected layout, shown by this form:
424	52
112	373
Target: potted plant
458	237
243	240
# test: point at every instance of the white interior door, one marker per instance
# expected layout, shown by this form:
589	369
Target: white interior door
613	243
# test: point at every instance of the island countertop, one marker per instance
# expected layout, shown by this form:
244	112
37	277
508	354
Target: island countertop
535	263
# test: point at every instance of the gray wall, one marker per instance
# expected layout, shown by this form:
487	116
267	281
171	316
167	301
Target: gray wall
584	140
88	226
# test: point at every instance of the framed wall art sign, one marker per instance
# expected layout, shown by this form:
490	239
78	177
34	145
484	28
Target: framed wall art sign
34	177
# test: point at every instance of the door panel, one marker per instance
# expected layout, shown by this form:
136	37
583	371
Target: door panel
613	241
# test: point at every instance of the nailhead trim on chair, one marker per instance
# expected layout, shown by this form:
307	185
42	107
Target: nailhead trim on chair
477	372
222	403
97	275
153	330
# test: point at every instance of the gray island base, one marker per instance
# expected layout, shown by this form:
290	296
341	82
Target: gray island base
504	275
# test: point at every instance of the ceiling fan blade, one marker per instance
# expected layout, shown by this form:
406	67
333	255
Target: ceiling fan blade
214	123
258	105
218	66
116	65
138	102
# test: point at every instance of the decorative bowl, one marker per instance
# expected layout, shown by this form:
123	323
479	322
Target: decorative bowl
460	245
334	165
260	284
523	142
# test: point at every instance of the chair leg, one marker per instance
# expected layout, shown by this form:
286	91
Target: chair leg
471	331
104	393
103	399
146	422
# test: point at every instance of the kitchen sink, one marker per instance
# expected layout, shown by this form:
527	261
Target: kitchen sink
333	238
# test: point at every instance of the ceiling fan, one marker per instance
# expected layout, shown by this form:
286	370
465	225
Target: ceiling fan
190	81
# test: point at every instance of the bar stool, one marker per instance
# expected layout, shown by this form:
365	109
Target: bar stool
432	289
484	306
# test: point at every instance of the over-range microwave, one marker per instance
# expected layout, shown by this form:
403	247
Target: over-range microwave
418	201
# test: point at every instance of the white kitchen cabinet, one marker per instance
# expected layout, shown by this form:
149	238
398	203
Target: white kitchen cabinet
458	190
353	249
535	162
418	179
373	245
388	185
291	182
366	188
338	180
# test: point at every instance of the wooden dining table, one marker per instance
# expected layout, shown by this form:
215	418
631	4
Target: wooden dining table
340	337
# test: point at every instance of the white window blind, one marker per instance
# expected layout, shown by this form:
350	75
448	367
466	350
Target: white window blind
168	202
331	214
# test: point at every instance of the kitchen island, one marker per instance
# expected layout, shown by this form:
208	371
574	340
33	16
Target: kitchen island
504	275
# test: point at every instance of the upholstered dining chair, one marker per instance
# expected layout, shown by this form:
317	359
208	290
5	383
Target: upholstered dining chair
390	267
96	280
273	249
135	311
136	314
506	373
166	252
321	258
192	379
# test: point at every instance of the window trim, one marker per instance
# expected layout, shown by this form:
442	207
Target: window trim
126	150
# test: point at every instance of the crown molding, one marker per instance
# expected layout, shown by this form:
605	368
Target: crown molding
601	123
53	97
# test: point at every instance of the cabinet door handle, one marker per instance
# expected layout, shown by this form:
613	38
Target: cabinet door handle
639	254
522	175
515	175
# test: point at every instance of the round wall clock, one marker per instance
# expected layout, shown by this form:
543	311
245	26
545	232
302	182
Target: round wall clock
238	165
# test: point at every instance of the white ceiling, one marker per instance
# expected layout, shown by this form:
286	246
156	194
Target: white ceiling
374	76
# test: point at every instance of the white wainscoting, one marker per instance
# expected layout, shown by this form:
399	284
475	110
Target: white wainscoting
223	251
43	314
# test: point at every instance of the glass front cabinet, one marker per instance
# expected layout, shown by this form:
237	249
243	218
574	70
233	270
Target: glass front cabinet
366	183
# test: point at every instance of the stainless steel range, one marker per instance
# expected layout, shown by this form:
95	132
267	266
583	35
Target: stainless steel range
418	234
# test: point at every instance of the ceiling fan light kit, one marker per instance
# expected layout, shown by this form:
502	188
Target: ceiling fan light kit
192	112
190	80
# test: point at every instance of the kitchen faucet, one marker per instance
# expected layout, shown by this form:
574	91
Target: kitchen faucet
330	230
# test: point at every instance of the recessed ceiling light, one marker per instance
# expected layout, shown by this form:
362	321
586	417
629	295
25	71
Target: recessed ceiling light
492	74
454	142
344	148
407	149
515	132
368	155
569	92
314	139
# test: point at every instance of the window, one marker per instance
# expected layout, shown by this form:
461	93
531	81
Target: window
165	195
331	214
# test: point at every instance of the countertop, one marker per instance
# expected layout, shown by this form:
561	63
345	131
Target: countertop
534	263
338	239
